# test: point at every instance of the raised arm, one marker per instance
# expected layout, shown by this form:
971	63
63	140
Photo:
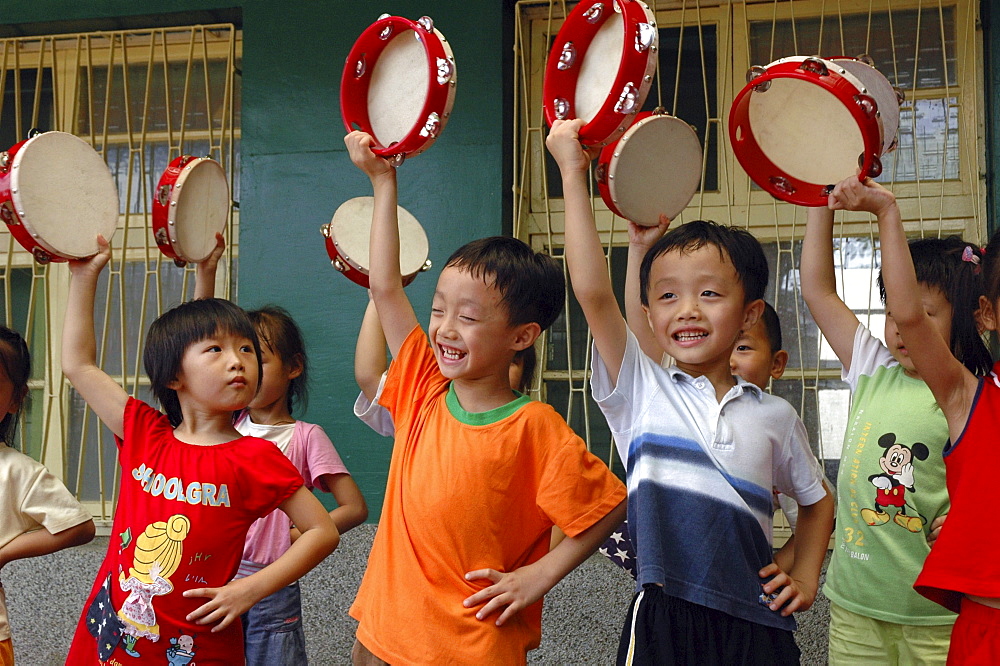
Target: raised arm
953	386
79	346
588	269
836	321
394	309
369	353
640	239
204	274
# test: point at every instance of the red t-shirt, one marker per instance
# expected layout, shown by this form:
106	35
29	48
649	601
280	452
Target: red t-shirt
965	559
182	517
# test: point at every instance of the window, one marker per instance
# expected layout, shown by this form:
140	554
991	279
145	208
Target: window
928	48
140	98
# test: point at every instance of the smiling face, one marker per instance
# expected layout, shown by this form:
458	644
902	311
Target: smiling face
470	329
940	312
218	374
696	308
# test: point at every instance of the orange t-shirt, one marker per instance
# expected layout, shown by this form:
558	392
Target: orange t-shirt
462	497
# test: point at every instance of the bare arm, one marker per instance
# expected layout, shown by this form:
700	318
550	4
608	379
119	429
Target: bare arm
836	321
319	539
585	258
522	587
351	508
79	347
369	353
394	308
953	386
43	542
799	584
204	274
640	239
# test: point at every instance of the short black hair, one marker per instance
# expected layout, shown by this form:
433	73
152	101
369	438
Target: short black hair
177	329
15	361
742	249
940	263
276	329
531	284
773	327
528	360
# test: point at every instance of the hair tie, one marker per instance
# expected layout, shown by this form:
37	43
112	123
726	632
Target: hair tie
969	255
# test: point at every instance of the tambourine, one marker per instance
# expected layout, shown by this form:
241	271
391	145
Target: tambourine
653	169
348	236
803	124
888	97
399	86
56	196
190	206
601	67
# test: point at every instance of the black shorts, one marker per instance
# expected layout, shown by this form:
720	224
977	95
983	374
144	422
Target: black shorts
667	631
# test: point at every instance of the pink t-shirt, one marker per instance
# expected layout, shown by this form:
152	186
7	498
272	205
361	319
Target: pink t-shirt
312	453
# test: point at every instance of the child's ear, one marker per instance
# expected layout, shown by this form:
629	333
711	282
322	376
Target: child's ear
17	400
525	335
778	363
751	313
986	318
296	366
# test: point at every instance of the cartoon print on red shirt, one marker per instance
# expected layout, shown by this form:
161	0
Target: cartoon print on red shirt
158	553
892	484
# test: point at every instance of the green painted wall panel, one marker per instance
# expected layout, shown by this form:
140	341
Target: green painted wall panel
295	170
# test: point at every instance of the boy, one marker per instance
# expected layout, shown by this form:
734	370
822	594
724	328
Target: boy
703	449
757	358
478	476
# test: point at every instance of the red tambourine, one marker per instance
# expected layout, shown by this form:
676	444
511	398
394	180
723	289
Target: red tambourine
652	170
399	86
56	196
803	124
190	206
601	67
348	239
888	97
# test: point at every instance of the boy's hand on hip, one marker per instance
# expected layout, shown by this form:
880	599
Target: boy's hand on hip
515	590
225	604
793	595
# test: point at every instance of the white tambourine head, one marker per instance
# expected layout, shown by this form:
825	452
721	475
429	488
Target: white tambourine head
66	192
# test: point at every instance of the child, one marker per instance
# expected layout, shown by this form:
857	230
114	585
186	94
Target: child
37	514
191	486
284	386
702	449
962	570
478	475
891	482
370	368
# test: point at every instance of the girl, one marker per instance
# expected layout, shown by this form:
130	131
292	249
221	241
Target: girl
962	571
37	514
283	388
191	486
891	487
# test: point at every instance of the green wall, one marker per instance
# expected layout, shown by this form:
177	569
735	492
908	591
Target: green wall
295	170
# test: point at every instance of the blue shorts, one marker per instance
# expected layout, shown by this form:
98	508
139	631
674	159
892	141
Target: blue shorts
272	630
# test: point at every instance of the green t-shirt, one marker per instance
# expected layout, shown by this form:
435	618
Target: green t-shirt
884	506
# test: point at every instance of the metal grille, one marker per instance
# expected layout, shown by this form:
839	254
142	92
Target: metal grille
140	98
930	48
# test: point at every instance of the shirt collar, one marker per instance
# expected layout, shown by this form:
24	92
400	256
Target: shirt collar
679	376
